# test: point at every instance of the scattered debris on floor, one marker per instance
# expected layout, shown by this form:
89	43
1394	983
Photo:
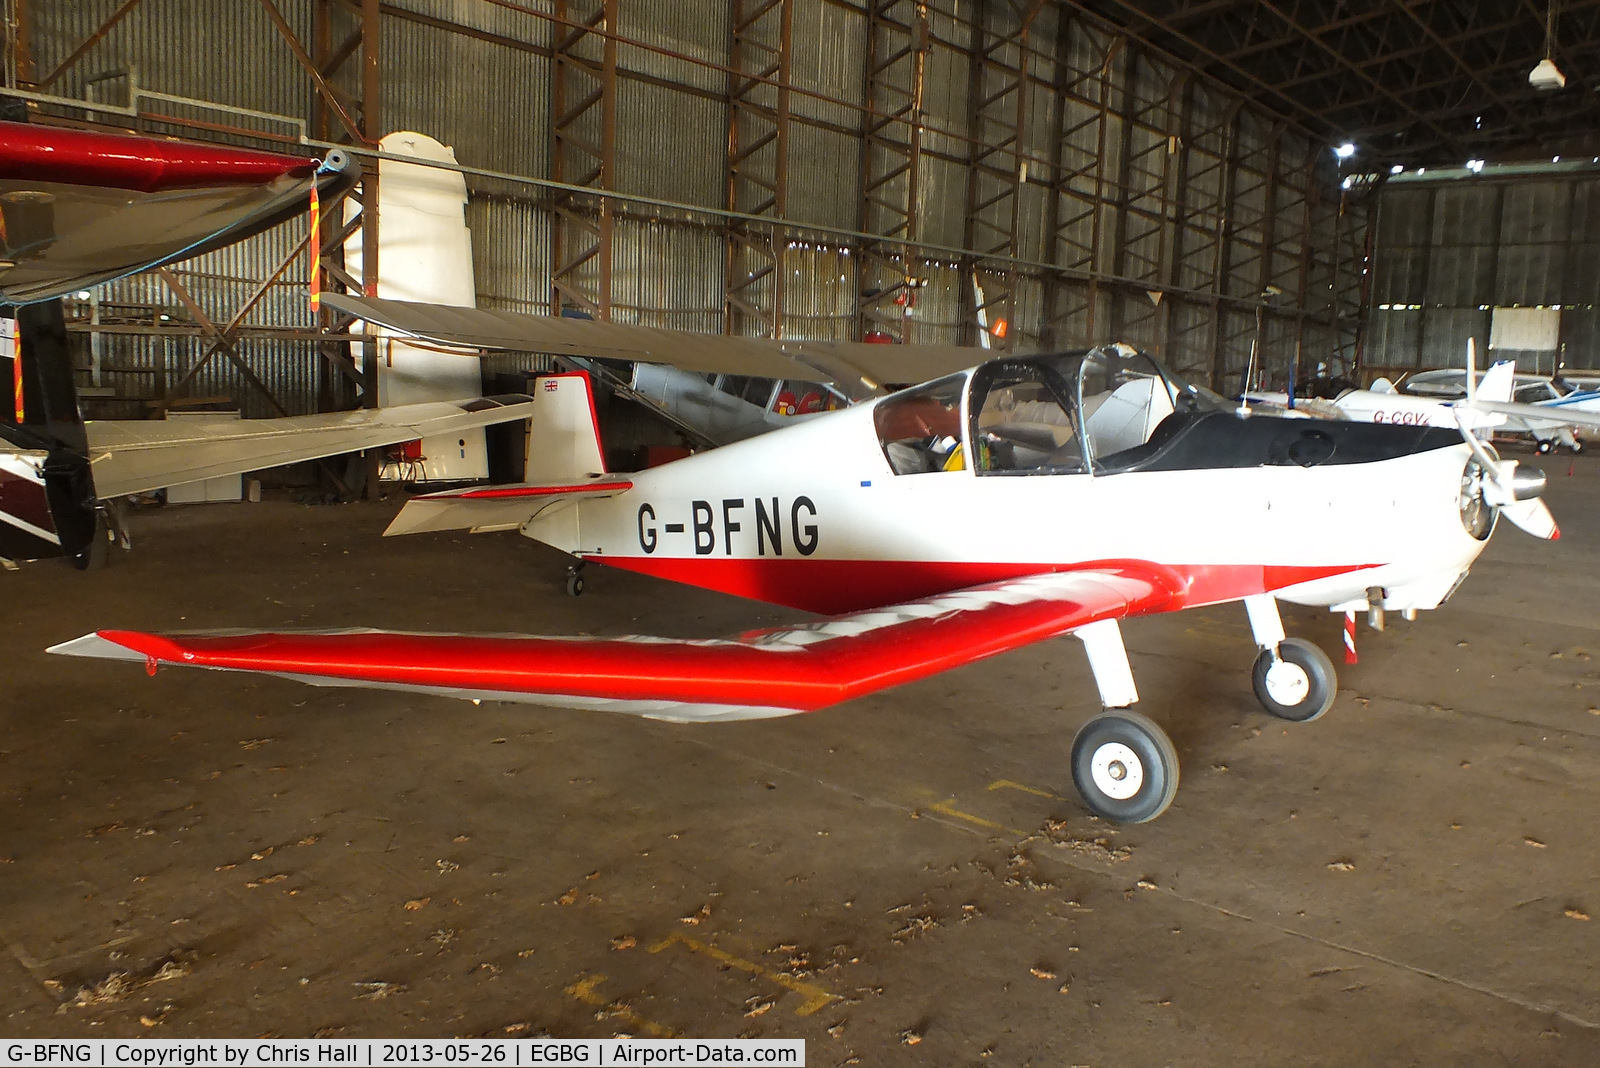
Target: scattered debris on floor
1095	847
377	990
119	985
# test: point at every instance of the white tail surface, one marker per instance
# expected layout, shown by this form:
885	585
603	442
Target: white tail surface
564	435
425	253
1497	382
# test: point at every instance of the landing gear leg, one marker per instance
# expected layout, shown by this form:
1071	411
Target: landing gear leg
1293	678
1123	764
575	579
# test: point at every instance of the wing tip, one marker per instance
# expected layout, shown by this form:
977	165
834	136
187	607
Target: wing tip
99	645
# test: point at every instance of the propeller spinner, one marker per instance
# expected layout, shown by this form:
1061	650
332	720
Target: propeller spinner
1491	486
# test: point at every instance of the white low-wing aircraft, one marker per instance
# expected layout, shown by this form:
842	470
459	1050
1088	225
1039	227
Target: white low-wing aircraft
1499	400
1023	499
1567	403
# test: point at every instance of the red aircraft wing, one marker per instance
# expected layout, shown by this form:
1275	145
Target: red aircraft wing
768	673
80	207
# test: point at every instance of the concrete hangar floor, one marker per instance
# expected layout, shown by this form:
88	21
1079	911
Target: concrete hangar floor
903	880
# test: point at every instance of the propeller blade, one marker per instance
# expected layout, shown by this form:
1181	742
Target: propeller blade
1534	517
1473	443
1472	369
1500	490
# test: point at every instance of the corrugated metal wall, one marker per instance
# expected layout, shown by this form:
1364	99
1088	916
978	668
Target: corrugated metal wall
1448	253
1179	188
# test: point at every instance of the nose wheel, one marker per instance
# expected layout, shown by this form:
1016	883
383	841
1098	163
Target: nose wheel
1297	682
1124	766
575	581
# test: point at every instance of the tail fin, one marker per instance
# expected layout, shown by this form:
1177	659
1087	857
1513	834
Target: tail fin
43	417
1497	382
564	462
564	435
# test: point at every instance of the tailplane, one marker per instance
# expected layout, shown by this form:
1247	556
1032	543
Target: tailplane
565	465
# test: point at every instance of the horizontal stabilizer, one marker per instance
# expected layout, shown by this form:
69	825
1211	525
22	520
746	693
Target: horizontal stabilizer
768	673
496	507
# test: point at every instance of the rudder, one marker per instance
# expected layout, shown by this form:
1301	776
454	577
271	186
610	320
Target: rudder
564	433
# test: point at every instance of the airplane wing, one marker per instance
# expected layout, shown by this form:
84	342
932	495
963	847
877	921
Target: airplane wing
496	507
1542	415
80	207
135	456
854	366
768	673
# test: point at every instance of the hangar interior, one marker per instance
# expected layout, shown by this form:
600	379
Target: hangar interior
1243	188
1163	174
812	168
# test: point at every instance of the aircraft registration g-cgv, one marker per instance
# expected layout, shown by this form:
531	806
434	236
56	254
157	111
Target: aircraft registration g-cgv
1020	500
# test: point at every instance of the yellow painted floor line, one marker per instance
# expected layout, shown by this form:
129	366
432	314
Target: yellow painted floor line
948	808
1007	784
584	990
816	997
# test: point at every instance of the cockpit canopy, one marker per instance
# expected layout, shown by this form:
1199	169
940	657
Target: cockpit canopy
1090	411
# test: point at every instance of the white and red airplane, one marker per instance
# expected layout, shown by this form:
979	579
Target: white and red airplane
1023	499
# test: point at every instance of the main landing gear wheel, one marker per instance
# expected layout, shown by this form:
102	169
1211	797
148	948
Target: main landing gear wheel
1124	766
1577	446
574	582
1546	446
1298	683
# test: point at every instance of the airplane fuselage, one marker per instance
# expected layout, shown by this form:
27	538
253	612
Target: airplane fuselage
835	530
1399	409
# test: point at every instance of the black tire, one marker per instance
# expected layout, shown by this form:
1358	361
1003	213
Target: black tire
97	553
1145	751
574	584
1545	447
1577	446
1321	681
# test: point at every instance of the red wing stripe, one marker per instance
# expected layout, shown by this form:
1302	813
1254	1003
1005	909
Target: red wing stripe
800	669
